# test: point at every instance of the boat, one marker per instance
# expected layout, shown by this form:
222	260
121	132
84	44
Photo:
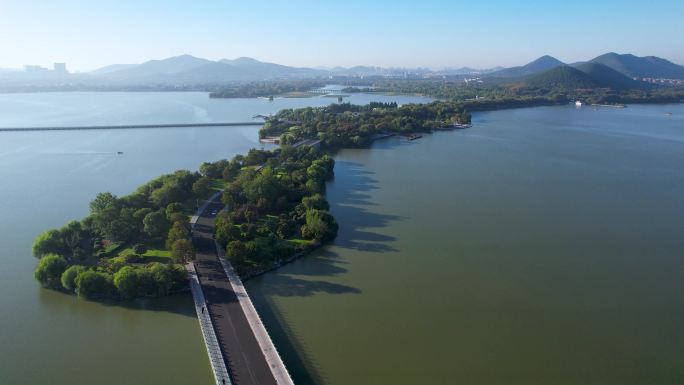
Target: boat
119	152
460	125
668	114
578	104
413	136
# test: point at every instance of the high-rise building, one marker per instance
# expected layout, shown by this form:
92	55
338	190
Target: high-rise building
35	69
60	68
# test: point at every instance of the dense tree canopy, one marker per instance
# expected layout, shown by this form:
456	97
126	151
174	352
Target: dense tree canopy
348	125
49	270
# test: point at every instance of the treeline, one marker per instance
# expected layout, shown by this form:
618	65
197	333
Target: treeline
490	94
274	210
267	88
347	125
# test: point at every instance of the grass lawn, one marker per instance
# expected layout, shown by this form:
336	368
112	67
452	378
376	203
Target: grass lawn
152	255
218	184
113	248
298	241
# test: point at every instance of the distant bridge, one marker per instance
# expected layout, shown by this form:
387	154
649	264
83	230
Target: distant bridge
130	126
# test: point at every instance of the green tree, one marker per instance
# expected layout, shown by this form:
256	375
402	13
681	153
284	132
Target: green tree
202	187
167	193
319	225
232	170
162	277
48	242
182	251
126	282
92	284
72	234
101	202
236	252
316	201
172	209
68	278
177	232
156	225
50	269
226	230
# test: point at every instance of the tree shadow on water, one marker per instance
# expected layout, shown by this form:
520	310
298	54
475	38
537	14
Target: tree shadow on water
285	282
177	303
290	345
350	198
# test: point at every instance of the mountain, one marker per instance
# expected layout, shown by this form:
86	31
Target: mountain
186	69
608	77
561	77
468	71
642	67
586	75
111	68
271	70
160	68
542	64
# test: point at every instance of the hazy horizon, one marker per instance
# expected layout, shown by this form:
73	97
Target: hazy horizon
434	35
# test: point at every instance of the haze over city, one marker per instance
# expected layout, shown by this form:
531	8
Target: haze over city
436	34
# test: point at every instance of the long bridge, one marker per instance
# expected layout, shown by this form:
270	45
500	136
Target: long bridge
130	126
239	347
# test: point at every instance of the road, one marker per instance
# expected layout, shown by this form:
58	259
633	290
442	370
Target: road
244	358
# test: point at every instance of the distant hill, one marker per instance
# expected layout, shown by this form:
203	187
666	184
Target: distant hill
561	77
157	68
540	65
586	75
642	67
111	68
190	69
270	70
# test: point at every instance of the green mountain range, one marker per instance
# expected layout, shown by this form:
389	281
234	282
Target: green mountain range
641	67
583	76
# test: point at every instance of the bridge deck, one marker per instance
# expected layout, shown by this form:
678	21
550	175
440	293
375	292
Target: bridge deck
243	355
130	126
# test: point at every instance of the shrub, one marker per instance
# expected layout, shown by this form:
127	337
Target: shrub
68	277
92	284
50	269
126	282
140	248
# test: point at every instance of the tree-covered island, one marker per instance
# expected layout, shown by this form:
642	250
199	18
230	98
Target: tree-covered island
349	125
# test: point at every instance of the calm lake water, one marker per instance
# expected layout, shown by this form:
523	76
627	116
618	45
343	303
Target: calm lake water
48	178
542	246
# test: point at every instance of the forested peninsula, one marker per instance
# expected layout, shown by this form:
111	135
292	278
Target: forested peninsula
275	207
136	245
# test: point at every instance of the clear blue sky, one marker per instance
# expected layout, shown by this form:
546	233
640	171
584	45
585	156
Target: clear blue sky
87	34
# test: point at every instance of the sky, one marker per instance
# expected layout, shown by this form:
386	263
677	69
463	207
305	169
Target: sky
88	34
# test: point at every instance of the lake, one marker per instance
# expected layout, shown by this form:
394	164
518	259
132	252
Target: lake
48	178
543	245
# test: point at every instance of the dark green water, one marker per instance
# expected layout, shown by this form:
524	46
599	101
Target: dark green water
542	246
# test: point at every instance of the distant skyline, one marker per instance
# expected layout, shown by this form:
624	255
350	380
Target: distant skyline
436	34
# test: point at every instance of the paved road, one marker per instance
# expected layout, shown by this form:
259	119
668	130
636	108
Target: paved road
244	357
